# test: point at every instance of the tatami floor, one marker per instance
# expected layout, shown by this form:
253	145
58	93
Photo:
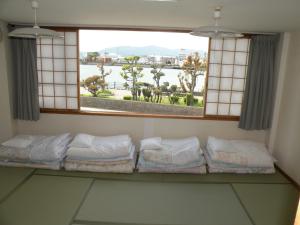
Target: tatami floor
44	197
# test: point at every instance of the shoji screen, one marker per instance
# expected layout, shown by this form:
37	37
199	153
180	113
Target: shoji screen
57	62
228	60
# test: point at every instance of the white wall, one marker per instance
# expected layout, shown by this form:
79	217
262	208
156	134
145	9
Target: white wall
137	127
7	128
286	145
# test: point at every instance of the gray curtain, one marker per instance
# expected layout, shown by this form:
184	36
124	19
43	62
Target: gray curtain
25	79
259	92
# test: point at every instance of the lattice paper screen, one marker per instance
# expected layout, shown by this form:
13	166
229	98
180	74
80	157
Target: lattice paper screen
228	61
57	63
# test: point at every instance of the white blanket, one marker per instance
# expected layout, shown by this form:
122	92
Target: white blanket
43	148
171	151
117	151
239	152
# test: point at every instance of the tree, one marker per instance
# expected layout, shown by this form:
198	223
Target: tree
103	75
157	73
92	84
92	56
193	66
131	72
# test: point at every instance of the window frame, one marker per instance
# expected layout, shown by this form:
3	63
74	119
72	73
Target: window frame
133	114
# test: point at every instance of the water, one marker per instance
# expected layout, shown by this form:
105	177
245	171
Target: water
170	76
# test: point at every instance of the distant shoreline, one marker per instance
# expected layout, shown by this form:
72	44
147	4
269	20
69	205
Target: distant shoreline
121	64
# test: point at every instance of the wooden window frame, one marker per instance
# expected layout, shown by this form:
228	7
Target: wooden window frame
131	114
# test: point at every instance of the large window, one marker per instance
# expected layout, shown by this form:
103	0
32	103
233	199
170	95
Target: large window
142	72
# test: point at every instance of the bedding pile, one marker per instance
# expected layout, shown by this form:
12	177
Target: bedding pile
114	154
171	156
35	151
237	156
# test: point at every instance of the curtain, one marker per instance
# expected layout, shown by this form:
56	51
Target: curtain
25	79
259	91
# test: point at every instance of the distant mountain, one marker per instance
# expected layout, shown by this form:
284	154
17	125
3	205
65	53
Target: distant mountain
144	51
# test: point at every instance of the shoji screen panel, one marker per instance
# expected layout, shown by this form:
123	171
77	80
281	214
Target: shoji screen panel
57	61
228	61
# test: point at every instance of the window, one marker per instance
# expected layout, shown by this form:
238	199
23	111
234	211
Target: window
57	65
142	72
228	60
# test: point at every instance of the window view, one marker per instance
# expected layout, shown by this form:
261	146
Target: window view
145	72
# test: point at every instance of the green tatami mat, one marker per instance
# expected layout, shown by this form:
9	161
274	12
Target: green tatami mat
276	178
272	204
10	178
122	202
44	200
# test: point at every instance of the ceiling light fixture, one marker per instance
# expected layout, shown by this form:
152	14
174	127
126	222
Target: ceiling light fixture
216	31
35	31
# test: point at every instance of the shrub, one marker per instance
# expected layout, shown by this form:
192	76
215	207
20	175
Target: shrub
188	100
127	97
104	93
174	99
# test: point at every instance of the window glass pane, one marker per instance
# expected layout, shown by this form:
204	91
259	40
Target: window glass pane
59	51
214	70
71	64
238	84
71	90
215	57
213	83
239	71
47	64
226	84
72	103
47	77
49	102
46	51
237	97
227	70
212	96
71	38
216	44
242	45
71	77
71	52
59	64
229	45
241	58
223	109
228	58
60	90
235	109
60	102
59	77
211	108
224	96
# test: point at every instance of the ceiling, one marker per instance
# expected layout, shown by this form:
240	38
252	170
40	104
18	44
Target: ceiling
244	15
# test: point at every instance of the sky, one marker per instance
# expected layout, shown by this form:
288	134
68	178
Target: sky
95	40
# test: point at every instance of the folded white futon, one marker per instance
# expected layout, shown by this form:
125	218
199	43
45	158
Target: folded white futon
34	151
171	156
114	154
237	156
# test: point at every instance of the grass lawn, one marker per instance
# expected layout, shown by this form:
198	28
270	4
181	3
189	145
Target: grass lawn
165	100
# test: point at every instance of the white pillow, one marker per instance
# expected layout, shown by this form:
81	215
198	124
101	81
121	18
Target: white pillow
151	144
19	141
82	141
